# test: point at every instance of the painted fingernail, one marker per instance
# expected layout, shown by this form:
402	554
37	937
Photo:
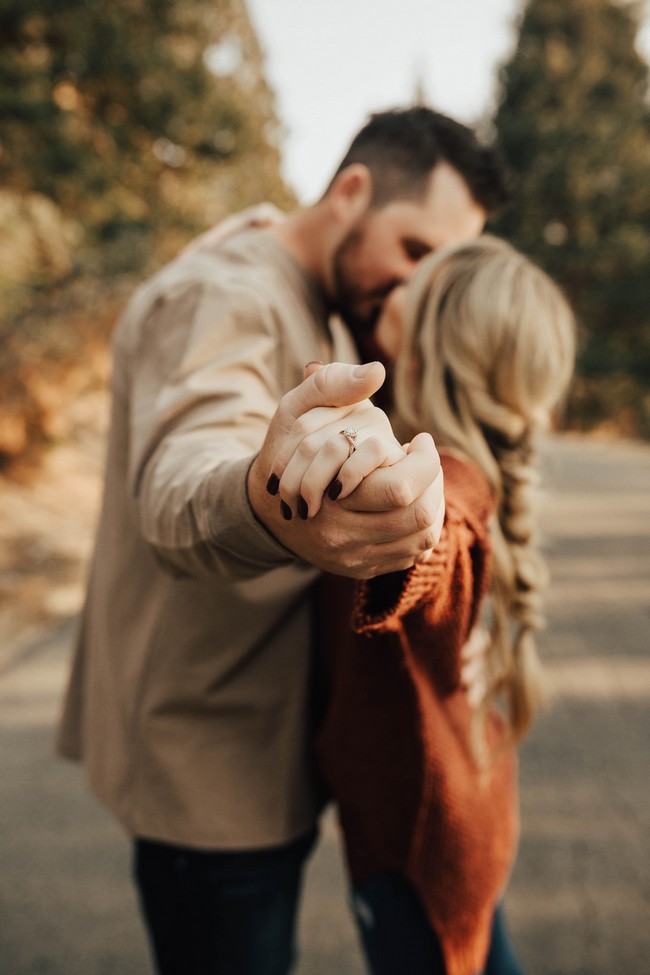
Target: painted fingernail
286	511
303	508
273	484
334	489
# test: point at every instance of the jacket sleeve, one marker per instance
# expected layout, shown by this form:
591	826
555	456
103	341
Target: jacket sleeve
435	605
201	377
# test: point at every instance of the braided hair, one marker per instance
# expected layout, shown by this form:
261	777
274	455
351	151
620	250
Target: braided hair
487	354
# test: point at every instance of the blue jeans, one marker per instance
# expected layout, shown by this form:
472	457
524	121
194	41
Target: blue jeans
221	912
397	936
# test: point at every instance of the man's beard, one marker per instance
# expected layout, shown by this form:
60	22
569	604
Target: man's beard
348	297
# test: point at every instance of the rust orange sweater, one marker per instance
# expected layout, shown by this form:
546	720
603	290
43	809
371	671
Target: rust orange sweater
394	746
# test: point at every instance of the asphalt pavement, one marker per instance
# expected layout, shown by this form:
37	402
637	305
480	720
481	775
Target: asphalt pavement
579	899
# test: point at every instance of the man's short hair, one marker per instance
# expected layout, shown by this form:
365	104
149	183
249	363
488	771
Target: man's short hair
400	147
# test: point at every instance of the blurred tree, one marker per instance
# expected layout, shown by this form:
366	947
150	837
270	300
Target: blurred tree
125	126
136	115
573	126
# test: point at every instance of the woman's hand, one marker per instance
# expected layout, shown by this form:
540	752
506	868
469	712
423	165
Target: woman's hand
318	457
388	522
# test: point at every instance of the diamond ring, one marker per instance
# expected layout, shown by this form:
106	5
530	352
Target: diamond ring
351	434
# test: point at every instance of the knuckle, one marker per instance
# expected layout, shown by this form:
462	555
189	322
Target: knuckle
425	511
308	447
366	412
373	415
430	539
301	427
432	534
399	492
424	555
379	422
335	447
374	446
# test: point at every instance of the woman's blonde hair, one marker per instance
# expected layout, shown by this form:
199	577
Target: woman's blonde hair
487	354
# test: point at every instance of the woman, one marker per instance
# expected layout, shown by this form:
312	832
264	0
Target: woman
424	777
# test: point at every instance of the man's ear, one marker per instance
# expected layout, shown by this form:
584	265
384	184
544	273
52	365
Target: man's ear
350	194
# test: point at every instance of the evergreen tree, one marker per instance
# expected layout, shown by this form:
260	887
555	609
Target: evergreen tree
573	126
131	115
125	126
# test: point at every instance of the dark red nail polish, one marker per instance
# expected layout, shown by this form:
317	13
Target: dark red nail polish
303	508
273	484
334	489
286	511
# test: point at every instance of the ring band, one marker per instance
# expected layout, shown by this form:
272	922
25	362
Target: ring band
351	434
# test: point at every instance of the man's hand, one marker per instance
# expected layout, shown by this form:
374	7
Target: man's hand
390	522
415	483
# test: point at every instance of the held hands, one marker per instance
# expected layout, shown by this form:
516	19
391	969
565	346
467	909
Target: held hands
330	451
390	505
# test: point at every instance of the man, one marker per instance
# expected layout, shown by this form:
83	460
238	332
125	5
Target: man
189	697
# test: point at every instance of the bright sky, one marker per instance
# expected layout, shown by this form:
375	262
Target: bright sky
332	62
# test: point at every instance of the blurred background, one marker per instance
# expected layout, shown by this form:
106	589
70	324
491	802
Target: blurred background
126	127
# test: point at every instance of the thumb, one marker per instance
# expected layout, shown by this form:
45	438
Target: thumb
336	384
311	368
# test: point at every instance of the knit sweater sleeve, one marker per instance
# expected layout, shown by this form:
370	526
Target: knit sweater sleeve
435	604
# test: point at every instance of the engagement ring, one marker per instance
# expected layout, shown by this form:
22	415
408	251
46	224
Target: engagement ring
351	434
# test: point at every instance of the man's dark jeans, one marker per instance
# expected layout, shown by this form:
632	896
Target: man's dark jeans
221	913
397	937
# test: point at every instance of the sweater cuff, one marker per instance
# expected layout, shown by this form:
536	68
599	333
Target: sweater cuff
381	602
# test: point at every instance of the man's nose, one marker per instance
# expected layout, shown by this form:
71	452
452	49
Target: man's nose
396	282
407	267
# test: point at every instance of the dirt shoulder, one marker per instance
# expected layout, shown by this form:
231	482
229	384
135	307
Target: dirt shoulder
48	513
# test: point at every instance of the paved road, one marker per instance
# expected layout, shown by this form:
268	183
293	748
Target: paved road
579	900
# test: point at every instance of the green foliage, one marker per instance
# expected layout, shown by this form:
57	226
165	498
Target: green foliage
108	108
573	126
125	126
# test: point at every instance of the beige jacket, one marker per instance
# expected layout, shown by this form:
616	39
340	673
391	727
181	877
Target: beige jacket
189	695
